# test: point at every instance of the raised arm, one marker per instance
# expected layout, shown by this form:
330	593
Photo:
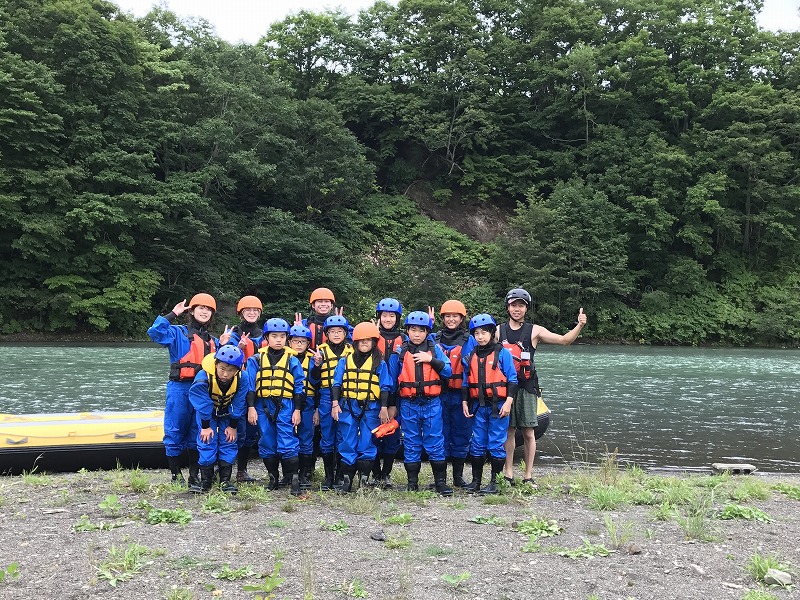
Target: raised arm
541	334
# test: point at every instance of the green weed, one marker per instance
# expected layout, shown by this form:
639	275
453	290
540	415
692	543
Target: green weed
10	572
217	503
156	516
619	534
123	564
456	580
587	550
492	520
290	506
398	543
759	595
177	593
605	497
354	589
138	481
537	528
34	478
664	512
254	493
750	489
788	490
233	574
438	551
339	526
495	500
677	494
401	519
111	506
269	583
84	525
278	523
737	511
757	566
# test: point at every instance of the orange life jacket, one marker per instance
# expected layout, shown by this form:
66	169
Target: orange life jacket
389	347
318	336
417	380
454	354
486	380
188	366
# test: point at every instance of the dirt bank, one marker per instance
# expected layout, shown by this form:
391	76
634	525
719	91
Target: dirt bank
74	535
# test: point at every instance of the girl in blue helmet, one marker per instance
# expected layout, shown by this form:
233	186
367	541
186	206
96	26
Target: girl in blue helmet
388	312
326	358
488	389
275	400
218	397
418	368
299	341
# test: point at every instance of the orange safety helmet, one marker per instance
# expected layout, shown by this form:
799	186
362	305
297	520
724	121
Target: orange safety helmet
203	300
321	294
249	302
455	307
365	331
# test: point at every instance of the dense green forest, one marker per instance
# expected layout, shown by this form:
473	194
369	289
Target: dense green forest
637	158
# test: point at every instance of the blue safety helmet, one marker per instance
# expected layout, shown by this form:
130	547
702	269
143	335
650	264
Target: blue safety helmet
299	331
420	318
482	320
275	325
336	321
389	305
231	355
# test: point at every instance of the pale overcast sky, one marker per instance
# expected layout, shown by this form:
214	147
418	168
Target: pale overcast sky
248	20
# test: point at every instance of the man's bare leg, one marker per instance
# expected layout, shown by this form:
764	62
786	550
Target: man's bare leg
529	438
510	446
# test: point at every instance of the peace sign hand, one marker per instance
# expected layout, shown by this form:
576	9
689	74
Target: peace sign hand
226	336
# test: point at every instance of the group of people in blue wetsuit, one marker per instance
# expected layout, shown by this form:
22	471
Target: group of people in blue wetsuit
351	395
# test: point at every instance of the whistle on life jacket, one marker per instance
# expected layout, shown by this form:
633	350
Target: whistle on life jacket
525	364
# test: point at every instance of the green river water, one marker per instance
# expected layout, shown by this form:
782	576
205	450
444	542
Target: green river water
661	407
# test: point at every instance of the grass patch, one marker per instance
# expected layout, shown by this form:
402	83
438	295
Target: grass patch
278	523
123	563
34	478
788	490
401	519
178	593
455	581
750	489
495	500
538	528
84	525
111	506
757	566
619	534
749	513
233	574
759	595
665	512
606	497
217	503
338	526
354	589
587	550
696	525
398	542
257	494
157	516
437	551
138	481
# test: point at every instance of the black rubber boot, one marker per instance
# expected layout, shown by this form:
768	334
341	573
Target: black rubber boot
205	482
364	466
348	473
458	472
225	472
386	471
272	470
242	476
439	468
174	463
412	470
327	462
339	473
194	467
497	468
477	474
376	471
306	469
291	472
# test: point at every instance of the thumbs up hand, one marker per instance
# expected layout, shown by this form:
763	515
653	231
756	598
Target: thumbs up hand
581	317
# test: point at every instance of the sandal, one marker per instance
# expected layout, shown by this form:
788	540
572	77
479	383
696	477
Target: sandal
531	482
509	480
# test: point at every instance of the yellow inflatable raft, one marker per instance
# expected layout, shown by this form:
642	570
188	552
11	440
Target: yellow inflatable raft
73	441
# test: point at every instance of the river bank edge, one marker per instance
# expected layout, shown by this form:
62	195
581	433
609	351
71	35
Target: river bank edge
98	339
596	532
